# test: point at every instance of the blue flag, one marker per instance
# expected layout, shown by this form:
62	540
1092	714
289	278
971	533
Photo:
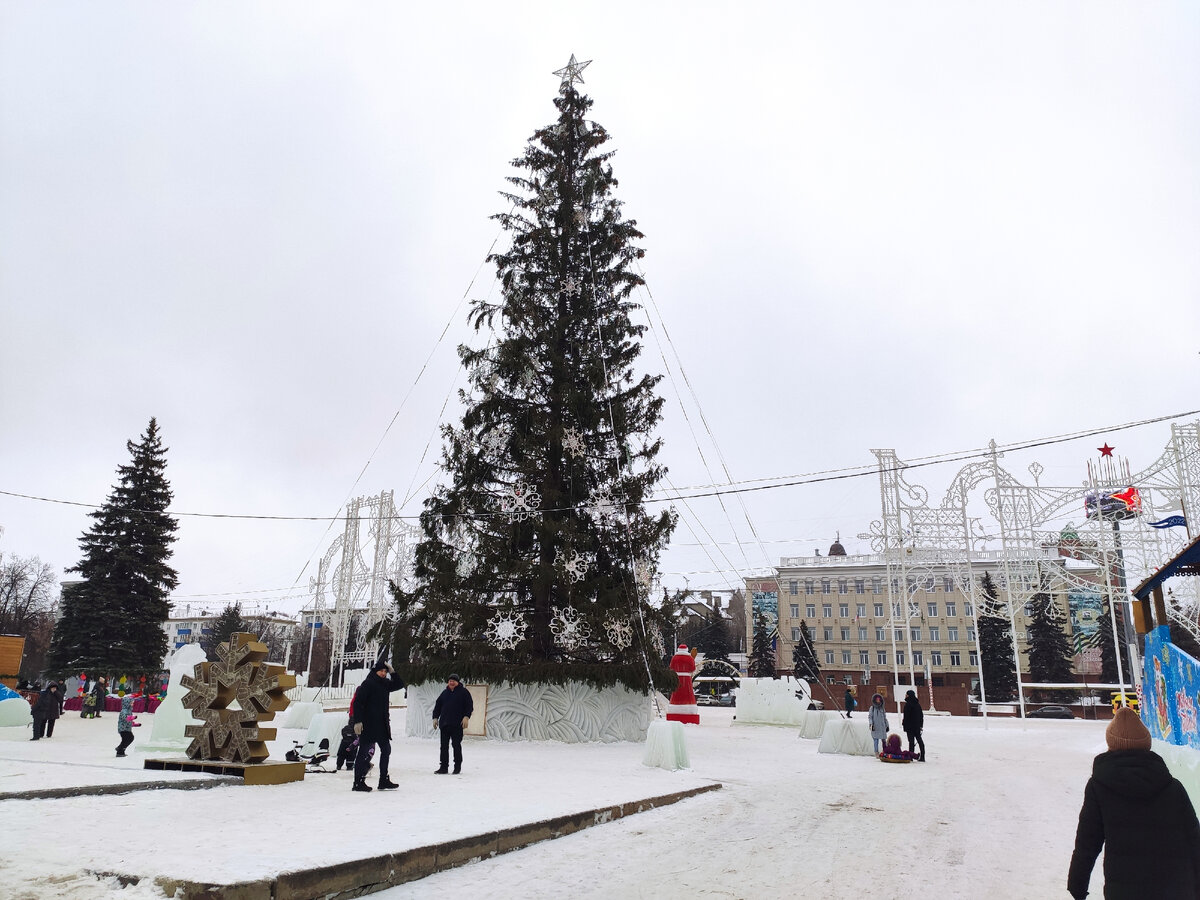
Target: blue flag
1169	522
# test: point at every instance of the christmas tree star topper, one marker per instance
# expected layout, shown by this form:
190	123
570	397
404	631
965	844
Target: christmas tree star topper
570	72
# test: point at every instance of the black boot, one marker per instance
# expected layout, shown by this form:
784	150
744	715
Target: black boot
457	768
387	785
441	771
361	785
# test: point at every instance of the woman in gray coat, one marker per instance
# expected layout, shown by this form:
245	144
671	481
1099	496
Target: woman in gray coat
877	719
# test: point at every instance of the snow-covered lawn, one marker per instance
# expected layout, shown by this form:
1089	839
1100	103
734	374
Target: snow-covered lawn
992	814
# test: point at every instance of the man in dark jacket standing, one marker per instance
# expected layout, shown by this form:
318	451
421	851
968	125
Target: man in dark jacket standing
1141	816
45	711
912	723
372	721
451	712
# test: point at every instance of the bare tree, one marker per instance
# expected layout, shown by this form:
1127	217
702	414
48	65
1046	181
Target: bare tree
27	593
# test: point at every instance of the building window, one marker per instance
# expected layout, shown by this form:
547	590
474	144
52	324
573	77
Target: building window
795	607
792	587
898	634
970	634
827	633
860	610
918	660
824	585
843	586
973	658
952	633
845	657
879	610
829	661
951	608
895	585
880	634
864	658
955	658
862	633
935	633
967	611
845	634
930	585
932	610
881	657
895	610
916	634
810	610
899	657
795	634
844	610
847	679
860	586
935	657
829	679
827	610
808	586
948	583
876	585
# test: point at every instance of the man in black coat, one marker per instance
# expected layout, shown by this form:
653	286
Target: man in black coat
372	721
451	712
45	711
912	723
1141	816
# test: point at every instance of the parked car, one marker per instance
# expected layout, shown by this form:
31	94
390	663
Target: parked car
1050	712
727	700
706	700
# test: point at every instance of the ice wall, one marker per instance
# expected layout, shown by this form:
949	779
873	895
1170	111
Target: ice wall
170	717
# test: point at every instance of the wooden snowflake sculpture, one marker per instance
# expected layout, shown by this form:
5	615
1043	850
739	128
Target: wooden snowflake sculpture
233	735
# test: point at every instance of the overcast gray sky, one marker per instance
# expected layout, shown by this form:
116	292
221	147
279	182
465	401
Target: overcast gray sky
917	226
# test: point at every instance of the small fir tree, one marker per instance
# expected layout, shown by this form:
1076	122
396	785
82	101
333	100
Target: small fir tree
1104	640
112	622
762	652
804	657
539	551
228	623
1050	651
996	647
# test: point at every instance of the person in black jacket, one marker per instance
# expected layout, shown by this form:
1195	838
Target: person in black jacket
451	712
1141	816
45	711
912	723
372	721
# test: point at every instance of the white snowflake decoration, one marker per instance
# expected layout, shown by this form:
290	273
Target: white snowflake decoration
581	218
569	629
465	565
573	442
570	286
643	575
575	564
496	440
620	632
444	630
506	629
603	507
657	642
520	501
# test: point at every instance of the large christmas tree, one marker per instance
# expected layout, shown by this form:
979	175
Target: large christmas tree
539	552
112	621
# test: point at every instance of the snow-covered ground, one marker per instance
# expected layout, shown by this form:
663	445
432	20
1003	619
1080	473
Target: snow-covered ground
991	814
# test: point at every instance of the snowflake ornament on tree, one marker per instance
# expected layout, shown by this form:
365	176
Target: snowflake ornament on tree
570	287
443	630
643	575
575	564
506	629
657	642
496	440
620	632
572	442
568	627
520	501
603	507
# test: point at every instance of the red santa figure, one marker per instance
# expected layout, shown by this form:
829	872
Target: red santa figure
683	701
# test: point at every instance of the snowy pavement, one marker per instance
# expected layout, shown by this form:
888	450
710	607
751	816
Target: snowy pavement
992	814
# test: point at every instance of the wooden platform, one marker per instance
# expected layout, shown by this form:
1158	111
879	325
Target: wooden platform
270	772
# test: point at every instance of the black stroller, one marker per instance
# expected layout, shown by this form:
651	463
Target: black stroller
316	761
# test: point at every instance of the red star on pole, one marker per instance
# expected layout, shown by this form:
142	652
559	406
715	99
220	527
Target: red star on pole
1106	450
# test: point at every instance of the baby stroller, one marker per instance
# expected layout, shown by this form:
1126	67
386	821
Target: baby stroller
348	750
316	761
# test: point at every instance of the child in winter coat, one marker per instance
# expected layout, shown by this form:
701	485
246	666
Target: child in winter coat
877	719
126	722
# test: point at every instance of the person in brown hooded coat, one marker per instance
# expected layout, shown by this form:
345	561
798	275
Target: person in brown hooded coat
1141	816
